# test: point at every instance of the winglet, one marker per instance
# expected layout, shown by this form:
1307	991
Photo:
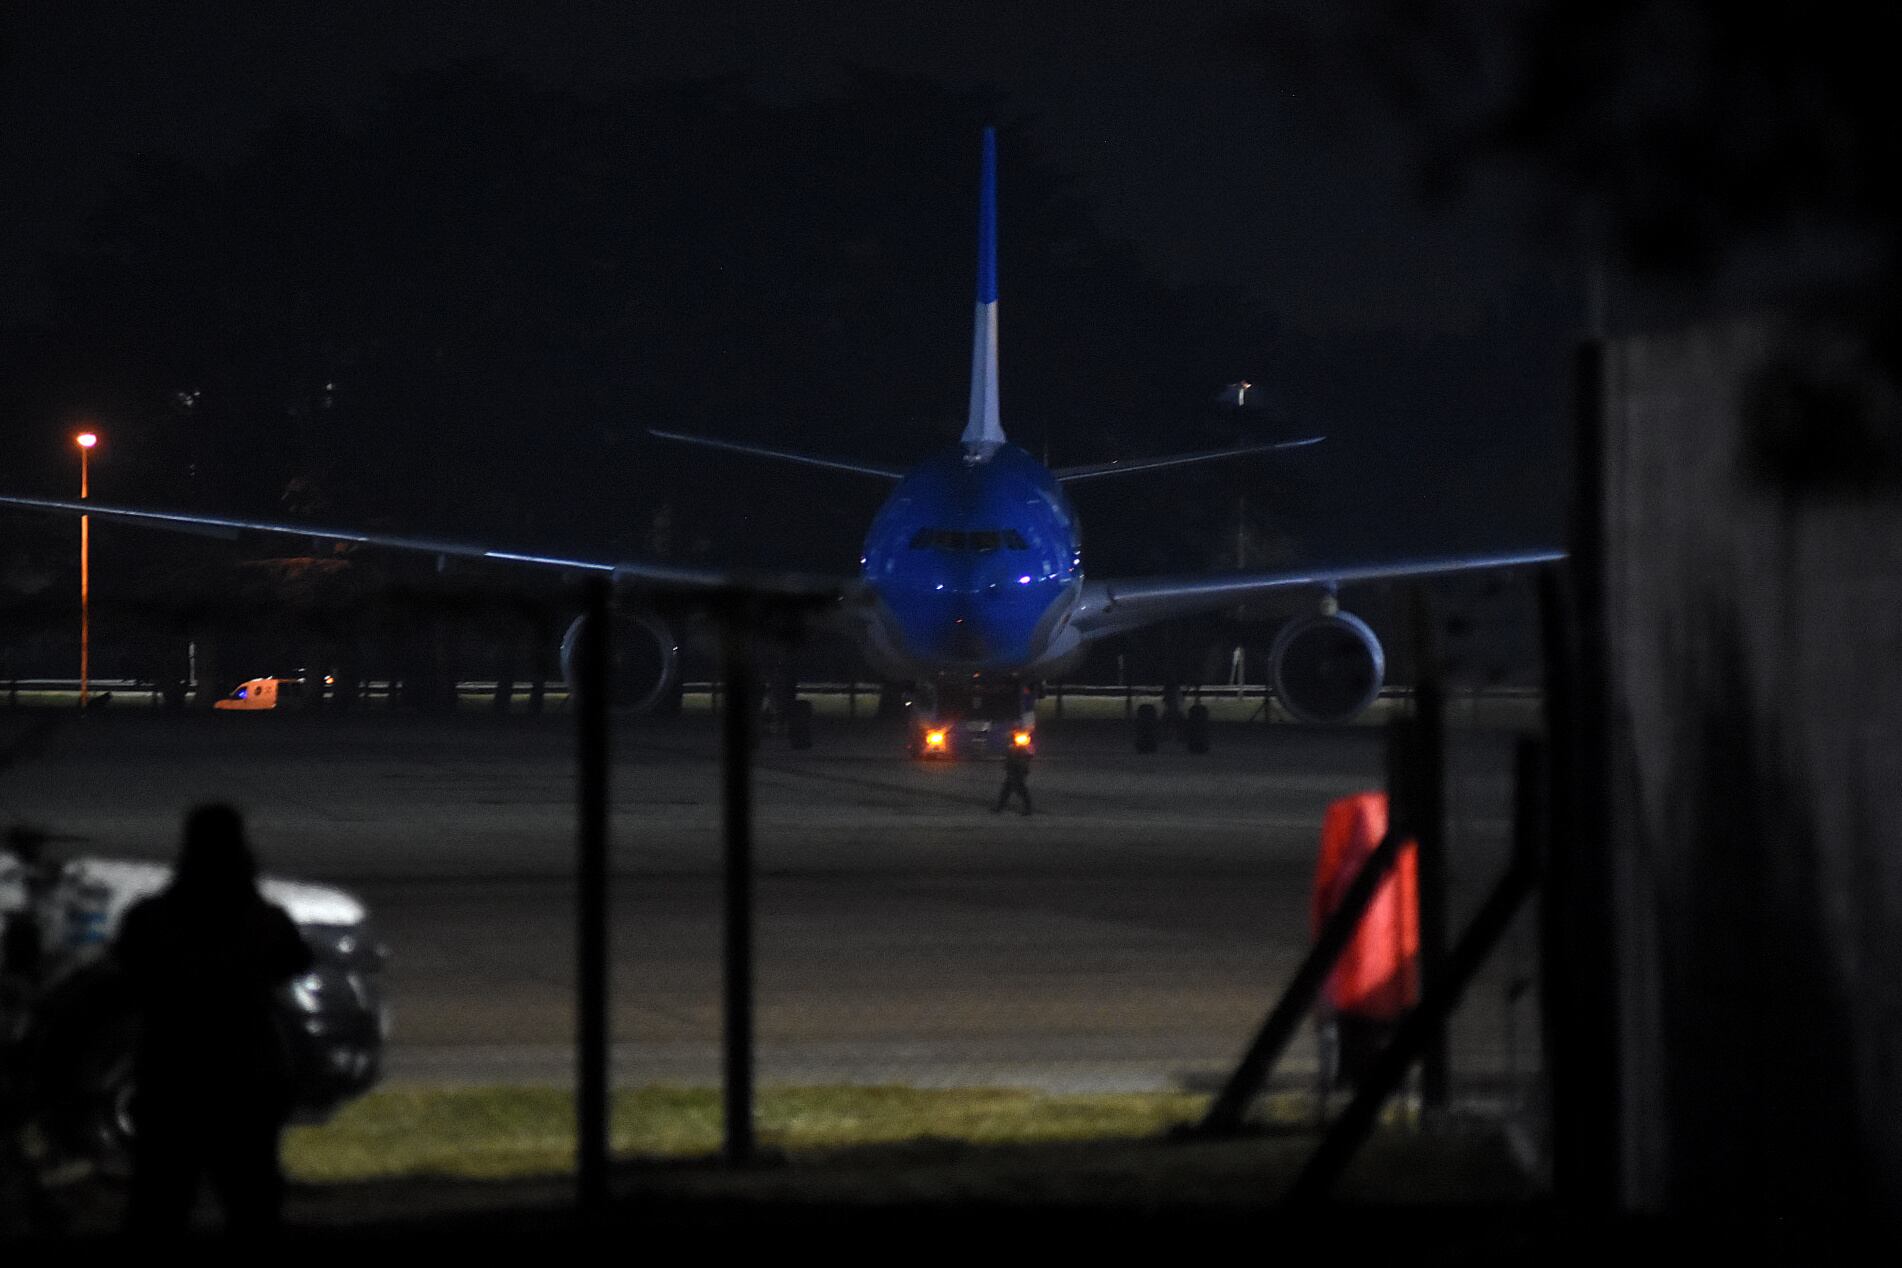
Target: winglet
983	433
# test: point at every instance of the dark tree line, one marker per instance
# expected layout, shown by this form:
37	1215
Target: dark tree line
461	311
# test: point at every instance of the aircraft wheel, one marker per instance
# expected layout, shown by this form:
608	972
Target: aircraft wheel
1195	729
1147	729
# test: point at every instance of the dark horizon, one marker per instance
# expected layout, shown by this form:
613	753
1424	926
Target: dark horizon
1137	276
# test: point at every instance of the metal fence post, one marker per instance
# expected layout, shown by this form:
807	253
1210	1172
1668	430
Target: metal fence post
737	764
1580	986
1427	813
591	908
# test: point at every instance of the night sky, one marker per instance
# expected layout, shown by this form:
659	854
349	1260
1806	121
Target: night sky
1242	152
1225	161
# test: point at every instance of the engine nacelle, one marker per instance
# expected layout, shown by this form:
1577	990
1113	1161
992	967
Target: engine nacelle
643	659
1327	667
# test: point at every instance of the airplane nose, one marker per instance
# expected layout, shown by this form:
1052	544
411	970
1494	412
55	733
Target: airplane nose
966	642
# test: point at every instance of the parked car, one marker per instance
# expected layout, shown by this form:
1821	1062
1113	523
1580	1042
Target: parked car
79	1029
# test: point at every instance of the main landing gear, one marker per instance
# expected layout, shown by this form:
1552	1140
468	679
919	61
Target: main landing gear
1192	726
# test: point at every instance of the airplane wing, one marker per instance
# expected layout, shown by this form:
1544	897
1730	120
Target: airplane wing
783	455
640	574
1063	474
1067	474
1116	607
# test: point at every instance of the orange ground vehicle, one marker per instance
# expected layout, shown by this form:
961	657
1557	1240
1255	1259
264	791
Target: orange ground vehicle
255	693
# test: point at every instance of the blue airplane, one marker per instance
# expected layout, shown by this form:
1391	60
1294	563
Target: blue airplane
971	582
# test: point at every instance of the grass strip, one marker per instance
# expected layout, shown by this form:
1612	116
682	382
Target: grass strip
887	1145
512	1132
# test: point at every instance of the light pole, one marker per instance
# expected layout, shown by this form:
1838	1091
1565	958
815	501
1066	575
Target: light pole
85	440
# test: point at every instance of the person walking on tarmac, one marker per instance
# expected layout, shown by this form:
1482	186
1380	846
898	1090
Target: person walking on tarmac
1016	775
211	1072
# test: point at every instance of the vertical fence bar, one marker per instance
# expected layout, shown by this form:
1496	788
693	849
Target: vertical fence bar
1427	810
1583	1045
1531	767
737	763
1592	908
591	908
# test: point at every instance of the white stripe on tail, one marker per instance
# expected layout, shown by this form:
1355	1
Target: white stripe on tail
983	433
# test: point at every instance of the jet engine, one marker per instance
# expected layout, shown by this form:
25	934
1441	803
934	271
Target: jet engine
643	659
1326	667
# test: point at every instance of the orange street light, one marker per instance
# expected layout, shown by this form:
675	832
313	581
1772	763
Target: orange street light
85	440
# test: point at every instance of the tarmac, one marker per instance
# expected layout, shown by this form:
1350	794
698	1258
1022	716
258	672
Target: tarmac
1128	936
1131	934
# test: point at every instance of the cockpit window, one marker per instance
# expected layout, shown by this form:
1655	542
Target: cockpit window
981	540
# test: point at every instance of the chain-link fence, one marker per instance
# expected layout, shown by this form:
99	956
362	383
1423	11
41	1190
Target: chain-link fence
922	968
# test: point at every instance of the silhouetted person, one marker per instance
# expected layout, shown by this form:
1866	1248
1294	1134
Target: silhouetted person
23	943
22	973
212	1079
1016	773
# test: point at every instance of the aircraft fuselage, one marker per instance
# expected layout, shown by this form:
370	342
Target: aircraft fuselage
976	563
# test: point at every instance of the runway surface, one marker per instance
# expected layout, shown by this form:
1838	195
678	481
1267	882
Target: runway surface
1131	934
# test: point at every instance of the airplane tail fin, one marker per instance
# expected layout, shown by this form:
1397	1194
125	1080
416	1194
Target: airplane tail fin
983	433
